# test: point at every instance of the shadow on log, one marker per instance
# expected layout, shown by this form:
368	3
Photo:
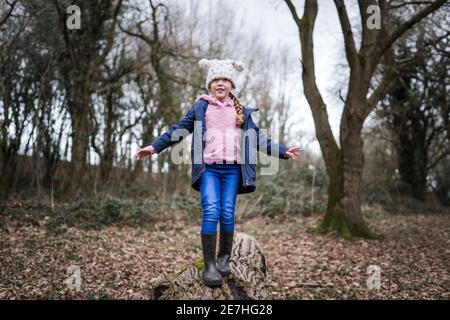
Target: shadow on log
246	281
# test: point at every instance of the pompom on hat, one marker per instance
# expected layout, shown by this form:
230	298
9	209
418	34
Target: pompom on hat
221	69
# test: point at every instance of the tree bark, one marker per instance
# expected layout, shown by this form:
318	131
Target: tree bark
352	167
246	282
80	143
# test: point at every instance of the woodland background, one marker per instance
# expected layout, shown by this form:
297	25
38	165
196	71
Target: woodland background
75	105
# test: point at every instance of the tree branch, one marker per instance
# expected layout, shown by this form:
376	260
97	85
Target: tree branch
388	79
329	147
350	48
370	37
386	44
407	3
67	41
435	162
136	35
110	38
8	14
295	16
422	54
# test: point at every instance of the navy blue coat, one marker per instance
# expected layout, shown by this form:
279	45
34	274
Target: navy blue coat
194	121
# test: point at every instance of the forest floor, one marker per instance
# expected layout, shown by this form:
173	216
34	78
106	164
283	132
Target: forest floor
118	262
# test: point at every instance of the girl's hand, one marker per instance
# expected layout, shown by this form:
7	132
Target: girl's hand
143	152
292	152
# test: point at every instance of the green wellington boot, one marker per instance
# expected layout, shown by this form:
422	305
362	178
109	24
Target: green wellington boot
223	257
211	276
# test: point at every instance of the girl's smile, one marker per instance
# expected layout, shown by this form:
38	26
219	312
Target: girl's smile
221	88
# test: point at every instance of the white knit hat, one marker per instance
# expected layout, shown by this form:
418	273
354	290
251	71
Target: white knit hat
221	69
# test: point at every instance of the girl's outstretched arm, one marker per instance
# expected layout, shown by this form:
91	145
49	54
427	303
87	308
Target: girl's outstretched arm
266	145
165	140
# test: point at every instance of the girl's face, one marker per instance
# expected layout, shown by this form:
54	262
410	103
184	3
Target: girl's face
220	88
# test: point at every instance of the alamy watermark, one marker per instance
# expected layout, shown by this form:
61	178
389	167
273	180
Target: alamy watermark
374	18
374	279
73	21
73	281
230	143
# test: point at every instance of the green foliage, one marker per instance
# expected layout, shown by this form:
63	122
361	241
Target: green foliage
92	214
97	213
394	201
184	203
110	210
289	191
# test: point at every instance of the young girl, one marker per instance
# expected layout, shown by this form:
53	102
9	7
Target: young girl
220	167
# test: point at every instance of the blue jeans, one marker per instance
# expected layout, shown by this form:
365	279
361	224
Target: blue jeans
218	189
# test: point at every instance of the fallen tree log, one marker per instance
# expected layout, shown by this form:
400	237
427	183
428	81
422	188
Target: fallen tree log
246	281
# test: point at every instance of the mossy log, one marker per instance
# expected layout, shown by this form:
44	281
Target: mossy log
246	281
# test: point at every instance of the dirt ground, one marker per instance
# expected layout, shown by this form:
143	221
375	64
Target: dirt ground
119	262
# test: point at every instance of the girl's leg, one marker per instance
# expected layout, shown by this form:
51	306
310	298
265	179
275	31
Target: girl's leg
210	198
229	187
228	191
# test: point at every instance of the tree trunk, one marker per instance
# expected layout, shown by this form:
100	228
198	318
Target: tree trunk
334	220
344	214
109	143
343	164
352	167
80	144
246	281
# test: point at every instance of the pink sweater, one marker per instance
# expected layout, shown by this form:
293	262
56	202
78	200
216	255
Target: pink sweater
223	136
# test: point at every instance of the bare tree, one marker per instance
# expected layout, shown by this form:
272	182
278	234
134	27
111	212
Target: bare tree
16	91
416	108
111	118
84	54
344	162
